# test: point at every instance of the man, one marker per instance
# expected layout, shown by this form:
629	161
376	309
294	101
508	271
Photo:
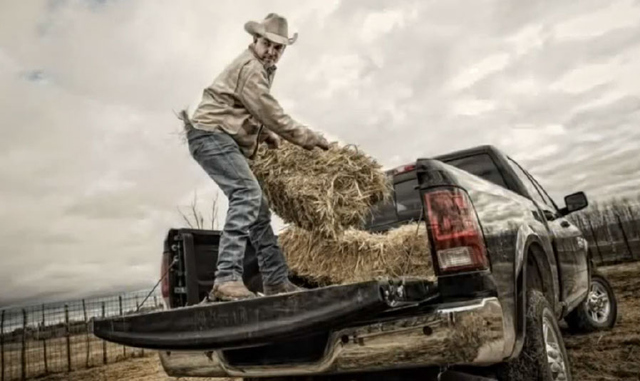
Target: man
237	112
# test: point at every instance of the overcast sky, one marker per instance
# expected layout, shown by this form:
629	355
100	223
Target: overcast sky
93	170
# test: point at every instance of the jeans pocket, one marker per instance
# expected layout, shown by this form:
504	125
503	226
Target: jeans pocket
195	145
195	139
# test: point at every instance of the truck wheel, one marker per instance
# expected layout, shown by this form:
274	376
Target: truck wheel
543	356
598	311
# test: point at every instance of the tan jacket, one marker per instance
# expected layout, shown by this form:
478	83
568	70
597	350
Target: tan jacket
238	101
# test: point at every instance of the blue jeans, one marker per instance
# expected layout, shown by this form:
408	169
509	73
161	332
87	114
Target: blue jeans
248	216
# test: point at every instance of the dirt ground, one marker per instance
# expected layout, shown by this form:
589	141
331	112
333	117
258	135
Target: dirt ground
613	355
81	356
141	369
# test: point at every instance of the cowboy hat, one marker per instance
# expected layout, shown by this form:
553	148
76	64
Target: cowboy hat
274	27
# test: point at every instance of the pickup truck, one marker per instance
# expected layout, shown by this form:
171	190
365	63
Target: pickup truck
509	267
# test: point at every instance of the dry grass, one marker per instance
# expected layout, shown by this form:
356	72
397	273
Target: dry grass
86	352
357	255
320	191
140	369
614	354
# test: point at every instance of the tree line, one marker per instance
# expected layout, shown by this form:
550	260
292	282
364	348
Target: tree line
612	228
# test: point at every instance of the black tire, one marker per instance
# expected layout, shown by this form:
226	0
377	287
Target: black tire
598	312
533	363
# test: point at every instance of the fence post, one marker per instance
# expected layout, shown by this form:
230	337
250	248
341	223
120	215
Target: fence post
2	344
138	306
634	225
595	240
68	334
44	341
104	342
624	235
607	230
124	348
23	357
86	328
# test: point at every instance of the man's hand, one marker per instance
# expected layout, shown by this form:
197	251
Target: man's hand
273	141
316	140
322	142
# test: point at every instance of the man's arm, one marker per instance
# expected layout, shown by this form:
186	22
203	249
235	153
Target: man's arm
256	97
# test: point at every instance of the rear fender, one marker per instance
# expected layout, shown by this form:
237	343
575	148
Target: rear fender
524	238
527	242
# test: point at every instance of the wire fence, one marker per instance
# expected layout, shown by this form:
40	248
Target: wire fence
52	338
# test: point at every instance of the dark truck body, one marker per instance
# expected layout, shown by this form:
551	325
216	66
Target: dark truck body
378	325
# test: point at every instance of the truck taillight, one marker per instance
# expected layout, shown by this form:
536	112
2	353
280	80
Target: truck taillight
457	237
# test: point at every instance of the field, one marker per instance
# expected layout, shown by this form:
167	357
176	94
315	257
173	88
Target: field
86	351
613	355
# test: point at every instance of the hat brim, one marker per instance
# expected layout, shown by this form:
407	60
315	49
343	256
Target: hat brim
256	29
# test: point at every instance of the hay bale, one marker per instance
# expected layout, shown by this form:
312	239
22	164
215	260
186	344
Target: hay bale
357	255
320	191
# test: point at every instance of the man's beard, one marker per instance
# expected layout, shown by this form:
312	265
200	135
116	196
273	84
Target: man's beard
270	61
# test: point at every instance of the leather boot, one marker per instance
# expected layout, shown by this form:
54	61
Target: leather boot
283	288
230	291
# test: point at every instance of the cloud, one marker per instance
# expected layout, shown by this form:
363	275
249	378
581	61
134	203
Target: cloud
621	14
94	169
489	65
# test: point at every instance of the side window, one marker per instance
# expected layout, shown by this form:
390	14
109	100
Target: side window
531	188
543	193
382	213
407	197
404	203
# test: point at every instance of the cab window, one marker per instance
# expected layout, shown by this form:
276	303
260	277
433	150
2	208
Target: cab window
526	181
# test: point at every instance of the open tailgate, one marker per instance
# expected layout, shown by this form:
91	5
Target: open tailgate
261	320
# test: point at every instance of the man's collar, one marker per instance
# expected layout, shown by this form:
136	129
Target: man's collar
270	69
